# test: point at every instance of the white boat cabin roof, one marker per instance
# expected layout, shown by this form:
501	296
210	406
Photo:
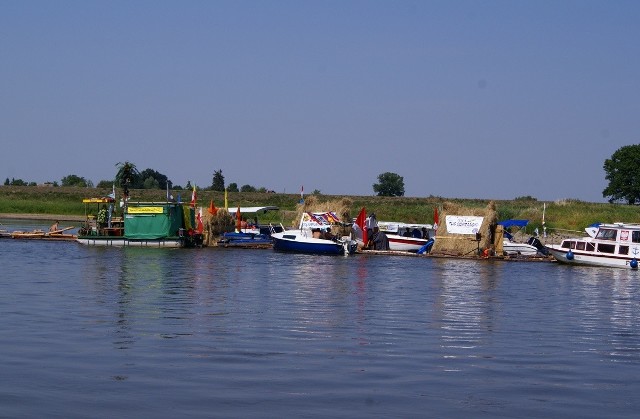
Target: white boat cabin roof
394	226
256	210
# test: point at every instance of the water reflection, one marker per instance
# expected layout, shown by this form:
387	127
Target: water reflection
466	306
608	296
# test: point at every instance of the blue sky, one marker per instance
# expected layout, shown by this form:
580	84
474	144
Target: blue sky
463	99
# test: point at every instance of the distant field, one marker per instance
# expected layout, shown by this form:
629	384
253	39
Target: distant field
566	215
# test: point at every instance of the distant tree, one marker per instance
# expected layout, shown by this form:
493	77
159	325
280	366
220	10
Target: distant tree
18	182
74	180
151	183
316	192
6	182
104	184
623	173
525	198
127	176
233	187
217	183
262	189
247	188
188	185
161	180
389	184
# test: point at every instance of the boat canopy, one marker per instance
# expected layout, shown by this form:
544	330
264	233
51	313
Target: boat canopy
512	223
257	210
157	220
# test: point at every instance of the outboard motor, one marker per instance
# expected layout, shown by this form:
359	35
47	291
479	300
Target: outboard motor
533	241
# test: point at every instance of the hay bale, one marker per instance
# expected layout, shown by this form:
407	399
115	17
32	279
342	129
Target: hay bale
466	244
340	206
216	225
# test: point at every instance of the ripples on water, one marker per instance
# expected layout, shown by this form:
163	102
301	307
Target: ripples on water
254	333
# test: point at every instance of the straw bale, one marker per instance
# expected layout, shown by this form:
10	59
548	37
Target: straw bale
340	206
466	244
216	225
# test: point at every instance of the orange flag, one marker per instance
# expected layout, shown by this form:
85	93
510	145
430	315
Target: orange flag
360	222
239	220
212	208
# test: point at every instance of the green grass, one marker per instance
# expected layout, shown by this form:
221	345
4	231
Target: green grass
560	215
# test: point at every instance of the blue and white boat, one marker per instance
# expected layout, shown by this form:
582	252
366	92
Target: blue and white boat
314	236
251	234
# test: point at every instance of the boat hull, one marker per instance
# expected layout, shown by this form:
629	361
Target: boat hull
576	257
405	244
245	240
296	241
41	236
518	249
119	241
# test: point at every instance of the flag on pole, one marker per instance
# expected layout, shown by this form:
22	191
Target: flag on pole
302	194
226	200
113	193
436	220
360	222
239	220
212	208
200	226
193	197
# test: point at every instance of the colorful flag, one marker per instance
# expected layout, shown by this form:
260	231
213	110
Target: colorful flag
360	222
200	226
435	218
239	220
212	208
193	197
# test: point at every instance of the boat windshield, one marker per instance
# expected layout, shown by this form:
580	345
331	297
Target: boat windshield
607	234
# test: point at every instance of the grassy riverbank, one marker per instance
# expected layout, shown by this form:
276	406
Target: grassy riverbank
561	216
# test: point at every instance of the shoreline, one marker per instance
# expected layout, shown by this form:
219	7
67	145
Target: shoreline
44	217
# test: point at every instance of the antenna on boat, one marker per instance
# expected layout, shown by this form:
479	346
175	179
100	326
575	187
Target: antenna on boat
544	227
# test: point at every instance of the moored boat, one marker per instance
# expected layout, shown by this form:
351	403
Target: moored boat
145	224
56	235
314	236
403	237
511	247
251	233
614	245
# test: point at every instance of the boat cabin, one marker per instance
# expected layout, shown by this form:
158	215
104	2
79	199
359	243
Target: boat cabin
146	221
614	239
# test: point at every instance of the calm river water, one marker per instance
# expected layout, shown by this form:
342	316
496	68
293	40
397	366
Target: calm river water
223	333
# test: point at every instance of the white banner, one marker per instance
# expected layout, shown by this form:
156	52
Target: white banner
458	224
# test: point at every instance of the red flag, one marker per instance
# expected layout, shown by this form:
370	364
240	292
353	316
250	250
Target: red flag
212	208
239	220
360	222
200	226
435	218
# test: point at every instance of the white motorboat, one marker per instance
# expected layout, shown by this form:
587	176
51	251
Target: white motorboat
614	245
314	236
